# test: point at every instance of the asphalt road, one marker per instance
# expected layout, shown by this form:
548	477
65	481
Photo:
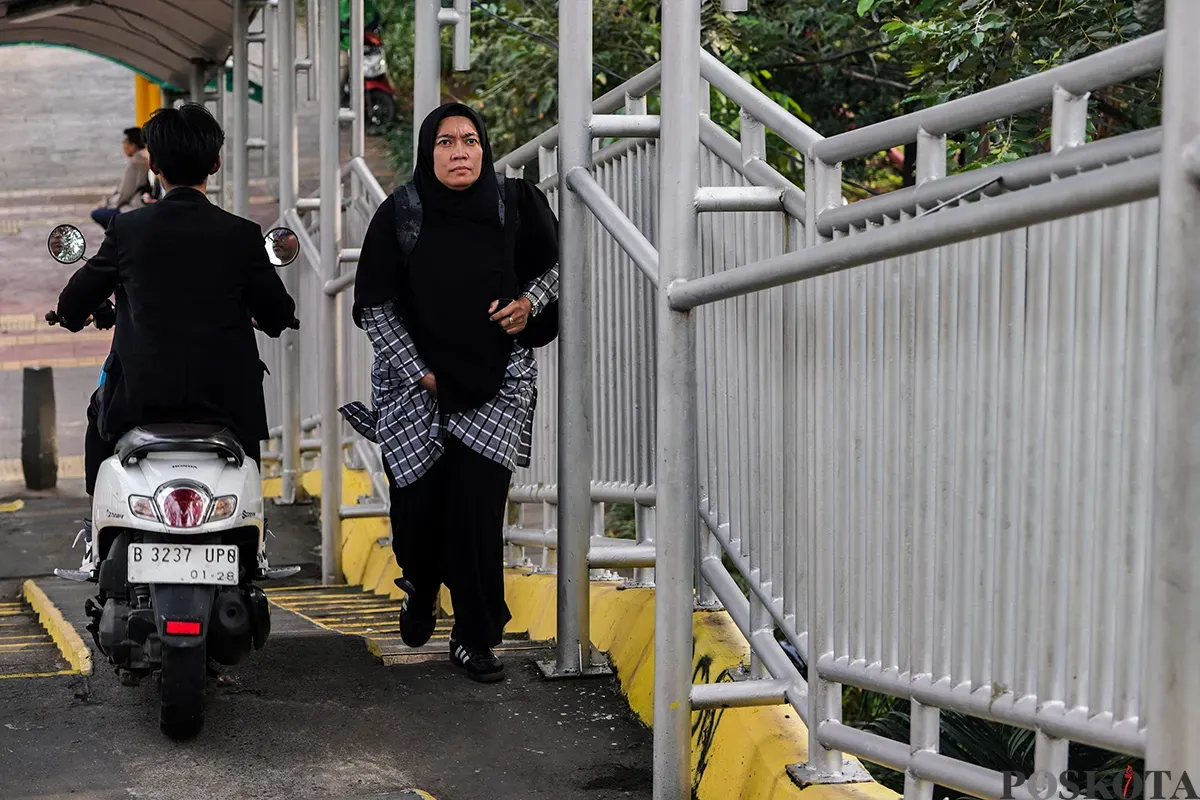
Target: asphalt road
312	715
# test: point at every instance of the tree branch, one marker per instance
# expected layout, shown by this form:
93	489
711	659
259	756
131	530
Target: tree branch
800	63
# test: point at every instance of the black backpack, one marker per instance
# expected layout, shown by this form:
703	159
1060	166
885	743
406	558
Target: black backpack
540	330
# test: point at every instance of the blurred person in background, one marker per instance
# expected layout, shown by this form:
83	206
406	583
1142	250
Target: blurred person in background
135	185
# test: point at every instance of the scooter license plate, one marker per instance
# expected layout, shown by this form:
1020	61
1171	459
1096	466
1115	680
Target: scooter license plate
213	564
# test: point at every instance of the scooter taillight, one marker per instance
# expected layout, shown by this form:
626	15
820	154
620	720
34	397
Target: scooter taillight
183	508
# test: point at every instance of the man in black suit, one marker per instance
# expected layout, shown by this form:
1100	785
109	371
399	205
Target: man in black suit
191	282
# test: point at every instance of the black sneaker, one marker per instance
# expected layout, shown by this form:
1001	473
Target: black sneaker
418	619
480	663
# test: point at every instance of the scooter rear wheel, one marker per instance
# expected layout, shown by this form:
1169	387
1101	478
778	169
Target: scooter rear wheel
181	691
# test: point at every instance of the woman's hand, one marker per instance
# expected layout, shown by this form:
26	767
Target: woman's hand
513	317
429	383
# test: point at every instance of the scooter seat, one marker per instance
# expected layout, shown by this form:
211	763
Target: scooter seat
178	437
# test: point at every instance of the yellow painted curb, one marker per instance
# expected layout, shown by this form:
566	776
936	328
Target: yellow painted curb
742	752
64	634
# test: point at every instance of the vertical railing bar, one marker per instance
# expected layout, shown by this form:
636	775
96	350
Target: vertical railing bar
1114	293
676	476
966	529
331	226
986	392
239	174
924	720
1068	129
1137	470
1085	533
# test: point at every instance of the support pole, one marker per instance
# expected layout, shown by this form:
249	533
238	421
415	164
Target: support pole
573	655
289	187
239	173
270	80
1172	682
329	100
358	128
676	478
39	434
427	64
196	92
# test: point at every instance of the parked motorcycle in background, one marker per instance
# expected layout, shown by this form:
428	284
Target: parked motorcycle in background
179	543
379	97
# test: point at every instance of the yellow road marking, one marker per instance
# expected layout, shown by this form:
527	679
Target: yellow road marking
60	363
64	634
11	472
334	600
55	338
38	674
39	637
25	645
10	613
18	322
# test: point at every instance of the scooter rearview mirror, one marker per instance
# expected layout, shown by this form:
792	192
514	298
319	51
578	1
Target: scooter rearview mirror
283	246
66	244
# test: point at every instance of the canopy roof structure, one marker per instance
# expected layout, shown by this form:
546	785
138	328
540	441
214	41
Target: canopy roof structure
158	38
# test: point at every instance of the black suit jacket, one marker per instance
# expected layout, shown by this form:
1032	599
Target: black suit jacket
188	277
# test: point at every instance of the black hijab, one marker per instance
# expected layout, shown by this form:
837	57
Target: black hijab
478	203
459	266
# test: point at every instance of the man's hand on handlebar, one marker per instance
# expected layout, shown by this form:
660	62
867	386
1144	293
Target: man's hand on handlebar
294	324
52	318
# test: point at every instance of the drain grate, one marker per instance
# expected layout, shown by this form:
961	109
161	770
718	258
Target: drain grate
351	611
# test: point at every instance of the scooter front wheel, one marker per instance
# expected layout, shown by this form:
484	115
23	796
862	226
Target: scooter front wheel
181	691
380	109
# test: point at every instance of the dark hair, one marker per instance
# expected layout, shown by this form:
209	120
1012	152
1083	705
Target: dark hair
184	143
134	135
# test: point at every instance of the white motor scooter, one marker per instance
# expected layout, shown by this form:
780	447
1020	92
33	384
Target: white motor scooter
178	542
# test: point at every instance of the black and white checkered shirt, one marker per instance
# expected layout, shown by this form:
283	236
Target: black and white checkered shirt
405	421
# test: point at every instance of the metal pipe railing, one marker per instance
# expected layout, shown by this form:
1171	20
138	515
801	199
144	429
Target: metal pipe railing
609	214
1011	176
1121	63
643	83
1136	180
757	104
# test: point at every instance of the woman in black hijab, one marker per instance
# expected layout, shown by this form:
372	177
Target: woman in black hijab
457	281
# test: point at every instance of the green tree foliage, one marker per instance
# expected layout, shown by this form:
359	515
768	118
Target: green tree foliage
835	64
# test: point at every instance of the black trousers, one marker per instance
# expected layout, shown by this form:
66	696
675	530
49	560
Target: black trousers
448	528
96	448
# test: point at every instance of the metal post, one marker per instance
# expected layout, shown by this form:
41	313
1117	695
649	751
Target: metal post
239	174
1172	682
196	92
313	12
427	64
823	190
676	477
329	99
270	78
573	656
358	128
39	432
289	187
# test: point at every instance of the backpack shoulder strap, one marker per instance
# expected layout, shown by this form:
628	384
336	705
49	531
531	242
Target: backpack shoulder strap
408	217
